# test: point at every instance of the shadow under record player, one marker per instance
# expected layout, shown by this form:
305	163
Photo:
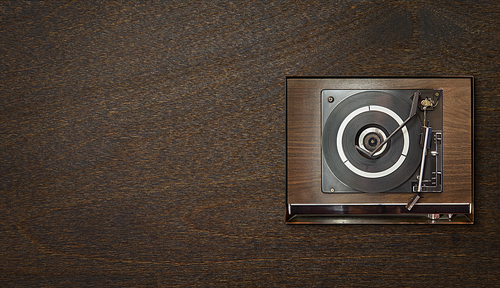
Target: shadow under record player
383	156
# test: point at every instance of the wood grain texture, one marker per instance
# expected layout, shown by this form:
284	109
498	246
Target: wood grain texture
143	144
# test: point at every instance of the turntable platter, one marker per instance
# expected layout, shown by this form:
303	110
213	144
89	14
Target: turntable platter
366	119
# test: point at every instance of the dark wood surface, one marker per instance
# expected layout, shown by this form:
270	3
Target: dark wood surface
144	144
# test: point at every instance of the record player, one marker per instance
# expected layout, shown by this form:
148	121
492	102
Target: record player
380	150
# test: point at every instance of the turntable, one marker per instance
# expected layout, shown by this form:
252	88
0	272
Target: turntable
380	150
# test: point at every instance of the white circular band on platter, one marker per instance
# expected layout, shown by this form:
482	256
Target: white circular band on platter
406	142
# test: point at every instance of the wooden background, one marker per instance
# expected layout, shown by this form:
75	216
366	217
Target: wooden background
143	144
